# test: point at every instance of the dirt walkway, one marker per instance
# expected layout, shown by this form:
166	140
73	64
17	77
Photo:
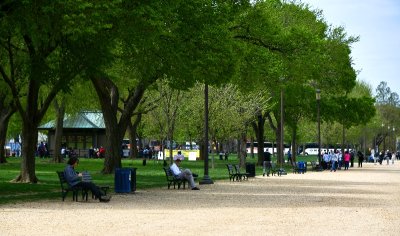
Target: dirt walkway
356	202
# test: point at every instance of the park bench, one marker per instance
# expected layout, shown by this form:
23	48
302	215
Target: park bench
231	172
273	169
239	174
65	188
276	170
172	179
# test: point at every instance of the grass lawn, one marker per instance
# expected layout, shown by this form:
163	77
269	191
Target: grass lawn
149	176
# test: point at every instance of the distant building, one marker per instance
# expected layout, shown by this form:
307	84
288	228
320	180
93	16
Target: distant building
81	131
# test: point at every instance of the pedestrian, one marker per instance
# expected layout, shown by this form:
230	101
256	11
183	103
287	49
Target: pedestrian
326	159
381	156
41	150
267	163
351	158
340	160
360	158
221	155
346	159
388	156
393	157
334	160
289	156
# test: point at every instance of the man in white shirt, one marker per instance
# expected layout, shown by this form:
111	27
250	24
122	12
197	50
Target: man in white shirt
185	174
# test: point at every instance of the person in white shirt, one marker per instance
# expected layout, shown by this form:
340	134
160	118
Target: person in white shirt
334	160
182	174
326	159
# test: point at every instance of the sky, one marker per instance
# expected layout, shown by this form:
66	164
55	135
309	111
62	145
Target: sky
377	22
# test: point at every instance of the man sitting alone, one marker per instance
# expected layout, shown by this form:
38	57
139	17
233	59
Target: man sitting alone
75	179
185	174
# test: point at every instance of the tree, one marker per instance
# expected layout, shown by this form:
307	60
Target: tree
284	39
44	39
7	109
156	41
387	106
384	95
169	105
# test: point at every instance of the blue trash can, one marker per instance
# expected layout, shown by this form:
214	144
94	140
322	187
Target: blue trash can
122	180
301	167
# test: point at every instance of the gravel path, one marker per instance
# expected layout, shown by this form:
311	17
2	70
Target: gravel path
360	201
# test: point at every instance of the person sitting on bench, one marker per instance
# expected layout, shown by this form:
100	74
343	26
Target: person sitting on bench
185	174
74	178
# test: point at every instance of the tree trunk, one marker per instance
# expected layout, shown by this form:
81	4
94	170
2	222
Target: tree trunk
109	97
6	111
278	146
30	138
32	116
276	129
112	157
132	132
3	133
60	110
294	145
259	127
242	154
4	119
343	141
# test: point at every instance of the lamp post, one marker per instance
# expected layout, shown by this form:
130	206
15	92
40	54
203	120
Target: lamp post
318	97
383	137
389	141
394	140
206	179
281	147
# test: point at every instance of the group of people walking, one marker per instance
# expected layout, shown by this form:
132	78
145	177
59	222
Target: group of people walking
388	156
336	160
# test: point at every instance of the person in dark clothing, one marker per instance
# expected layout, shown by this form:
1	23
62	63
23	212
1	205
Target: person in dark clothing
352	159
74	178
360	158
381	156
267	163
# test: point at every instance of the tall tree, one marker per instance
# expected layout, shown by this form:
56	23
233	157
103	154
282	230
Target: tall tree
44	38
286	39
182	41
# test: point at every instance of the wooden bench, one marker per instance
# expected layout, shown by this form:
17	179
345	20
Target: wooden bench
172	179
65	188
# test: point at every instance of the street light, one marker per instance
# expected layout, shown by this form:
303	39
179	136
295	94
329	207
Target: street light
383	137
389	142
394	139
206	179
318	97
